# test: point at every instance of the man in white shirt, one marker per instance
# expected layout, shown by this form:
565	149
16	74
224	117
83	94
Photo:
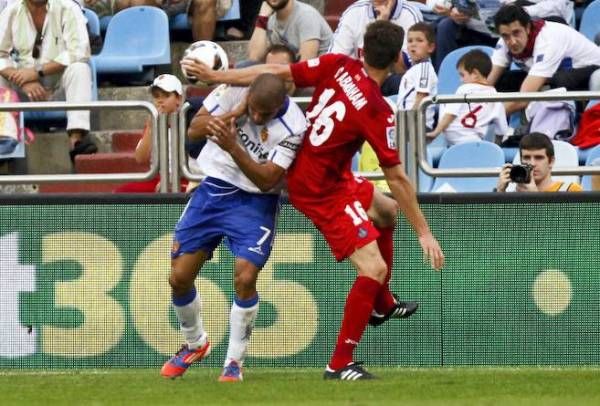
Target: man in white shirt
259	128
44	49
548	53
348	37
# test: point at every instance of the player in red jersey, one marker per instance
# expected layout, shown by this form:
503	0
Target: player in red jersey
347	108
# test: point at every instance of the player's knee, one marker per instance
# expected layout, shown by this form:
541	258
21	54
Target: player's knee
180	284
377	271
245	282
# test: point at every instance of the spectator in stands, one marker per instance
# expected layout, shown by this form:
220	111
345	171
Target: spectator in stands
537	150
292	23
102	8
548	53
167	97
469	22
236	30
44	49
420	80
284	55
348	37
464	122
202	13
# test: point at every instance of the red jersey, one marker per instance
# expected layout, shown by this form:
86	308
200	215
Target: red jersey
347	108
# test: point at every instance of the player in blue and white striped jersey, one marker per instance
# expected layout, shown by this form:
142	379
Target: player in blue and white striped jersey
260	128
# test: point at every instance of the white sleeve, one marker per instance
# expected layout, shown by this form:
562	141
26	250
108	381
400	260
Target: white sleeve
343	37
500	56
284	153
547	8
500	123
547	58
223	99
427	80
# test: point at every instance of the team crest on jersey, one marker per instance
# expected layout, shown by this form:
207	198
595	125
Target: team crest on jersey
313	63
264	134
390	135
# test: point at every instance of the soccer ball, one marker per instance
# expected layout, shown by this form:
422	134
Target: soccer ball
206	52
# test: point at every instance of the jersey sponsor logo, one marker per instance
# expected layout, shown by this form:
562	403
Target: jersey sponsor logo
350	89
313	63
255	148
390	135
264	134
289	145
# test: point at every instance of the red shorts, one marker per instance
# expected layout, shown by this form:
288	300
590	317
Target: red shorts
341	216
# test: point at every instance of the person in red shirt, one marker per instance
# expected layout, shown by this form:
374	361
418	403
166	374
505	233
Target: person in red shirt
347	109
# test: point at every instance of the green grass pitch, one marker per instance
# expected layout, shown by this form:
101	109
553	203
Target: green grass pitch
406	386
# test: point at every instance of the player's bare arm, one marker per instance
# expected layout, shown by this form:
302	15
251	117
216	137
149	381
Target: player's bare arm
405	196
199	127
264	175
236	77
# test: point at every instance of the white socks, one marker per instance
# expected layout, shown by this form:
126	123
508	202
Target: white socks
241	323
187	309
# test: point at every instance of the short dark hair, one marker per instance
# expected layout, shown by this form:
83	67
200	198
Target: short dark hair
509	13
282	49
476	59
382	43
537	140
426	29
268	90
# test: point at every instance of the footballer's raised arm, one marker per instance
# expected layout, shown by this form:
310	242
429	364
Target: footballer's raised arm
236	77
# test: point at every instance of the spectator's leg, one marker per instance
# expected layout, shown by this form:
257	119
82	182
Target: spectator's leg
77	84
204	19
573	79
511	80
445	40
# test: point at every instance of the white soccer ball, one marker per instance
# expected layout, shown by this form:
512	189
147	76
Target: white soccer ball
208	53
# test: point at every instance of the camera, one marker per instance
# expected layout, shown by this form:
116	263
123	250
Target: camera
521	173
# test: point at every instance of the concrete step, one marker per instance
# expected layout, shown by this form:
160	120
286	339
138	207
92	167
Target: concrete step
125	141
111	162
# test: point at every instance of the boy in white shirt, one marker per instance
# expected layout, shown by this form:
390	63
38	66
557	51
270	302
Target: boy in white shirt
464	122
420	80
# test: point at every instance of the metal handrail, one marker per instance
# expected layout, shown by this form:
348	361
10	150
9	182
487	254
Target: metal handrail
158	132
493	97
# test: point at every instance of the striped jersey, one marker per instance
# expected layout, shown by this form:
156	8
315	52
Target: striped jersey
419	78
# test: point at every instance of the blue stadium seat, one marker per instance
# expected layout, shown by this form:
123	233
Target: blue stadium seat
181	21
104	21
593	154
92	20
589	25
448	79
137	39
478	154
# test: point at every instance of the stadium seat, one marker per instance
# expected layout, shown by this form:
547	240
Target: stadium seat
593	154
589	20
478	154
92	20
137	40
448	79
104	21
181	21
565	155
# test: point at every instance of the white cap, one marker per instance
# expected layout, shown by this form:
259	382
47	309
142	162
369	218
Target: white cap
168	83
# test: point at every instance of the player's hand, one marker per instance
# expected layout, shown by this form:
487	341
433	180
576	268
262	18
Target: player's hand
223	134
383	8
441	10
35	91
198	69
432	252
22	76
504	178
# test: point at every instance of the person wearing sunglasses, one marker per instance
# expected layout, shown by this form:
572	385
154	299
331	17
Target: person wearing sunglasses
44	50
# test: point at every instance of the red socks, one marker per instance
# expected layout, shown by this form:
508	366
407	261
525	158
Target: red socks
357	311
384	301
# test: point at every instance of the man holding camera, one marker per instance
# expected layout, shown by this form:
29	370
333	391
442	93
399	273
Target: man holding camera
534	175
